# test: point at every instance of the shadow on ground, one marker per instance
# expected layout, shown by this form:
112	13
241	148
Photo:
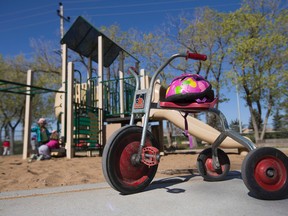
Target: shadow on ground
167	183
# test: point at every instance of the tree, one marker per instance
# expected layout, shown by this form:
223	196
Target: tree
12	105
234	125
258	56
46	74
206	34
258	120
277	121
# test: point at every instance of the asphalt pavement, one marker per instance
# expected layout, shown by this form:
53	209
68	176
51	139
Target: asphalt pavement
183	195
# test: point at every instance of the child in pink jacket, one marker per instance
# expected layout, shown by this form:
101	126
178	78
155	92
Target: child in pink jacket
45	150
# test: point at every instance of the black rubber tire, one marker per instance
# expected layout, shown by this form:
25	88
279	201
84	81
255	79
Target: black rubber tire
205	167
118	169
264	172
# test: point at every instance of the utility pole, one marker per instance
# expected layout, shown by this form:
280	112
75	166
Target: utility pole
238	107
238	100
60	13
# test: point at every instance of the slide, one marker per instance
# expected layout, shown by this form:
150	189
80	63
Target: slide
196	127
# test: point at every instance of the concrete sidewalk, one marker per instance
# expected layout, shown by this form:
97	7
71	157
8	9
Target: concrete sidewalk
183	195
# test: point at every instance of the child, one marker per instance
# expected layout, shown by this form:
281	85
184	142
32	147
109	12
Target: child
42	136
42	132
34	143
45	150
6	146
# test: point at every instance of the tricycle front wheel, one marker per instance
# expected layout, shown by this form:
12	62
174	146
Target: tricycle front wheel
120	168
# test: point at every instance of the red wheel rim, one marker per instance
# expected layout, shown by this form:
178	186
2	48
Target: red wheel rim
128	173
270	173
210	169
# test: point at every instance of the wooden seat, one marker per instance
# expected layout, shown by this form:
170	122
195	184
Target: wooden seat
193	107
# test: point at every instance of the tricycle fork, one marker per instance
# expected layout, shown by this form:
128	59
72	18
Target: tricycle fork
226	133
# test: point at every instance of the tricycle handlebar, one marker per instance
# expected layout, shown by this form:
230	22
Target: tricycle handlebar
196	56
187	55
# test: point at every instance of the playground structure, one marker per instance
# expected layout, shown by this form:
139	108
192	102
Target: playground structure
96	104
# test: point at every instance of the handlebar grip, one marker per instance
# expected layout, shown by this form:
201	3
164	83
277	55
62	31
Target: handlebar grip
196	56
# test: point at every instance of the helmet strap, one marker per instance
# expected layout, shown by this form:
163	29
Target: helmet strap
191	144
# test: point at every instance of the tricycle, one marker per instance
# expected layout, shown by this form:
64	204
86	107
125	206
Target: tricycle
131	155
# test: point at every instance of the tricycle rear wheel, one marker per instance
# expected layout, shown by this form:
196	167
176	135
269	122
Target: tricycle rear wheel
205	165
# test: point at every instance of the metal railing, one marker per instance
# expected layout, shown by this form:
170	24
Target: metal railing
111	89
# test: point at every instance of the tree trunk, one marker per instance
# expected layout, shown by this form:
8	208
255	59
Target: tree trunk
169	133
12	141
255	125
265	123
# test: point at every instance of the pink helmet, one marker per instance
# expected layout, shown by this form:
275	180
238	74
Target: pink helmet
189	88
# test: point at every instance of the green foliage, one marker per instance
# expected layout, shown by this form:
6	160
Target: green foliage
209	34
278	123
258	54
12	106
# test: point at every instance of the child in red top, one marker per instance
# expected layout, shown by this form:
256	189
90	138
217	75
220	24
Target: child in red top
6	146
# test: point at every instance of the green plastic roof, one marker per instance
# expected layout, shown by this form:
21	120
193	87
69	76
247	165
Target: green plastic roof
82	38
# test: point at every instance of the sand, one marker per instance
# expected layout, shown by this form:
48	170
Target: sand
19	174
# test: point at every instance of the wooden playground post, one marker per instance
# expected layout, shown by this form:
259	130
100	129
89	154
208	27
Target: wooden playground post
64	88
89	76
27	124
69	114
100	88
121	84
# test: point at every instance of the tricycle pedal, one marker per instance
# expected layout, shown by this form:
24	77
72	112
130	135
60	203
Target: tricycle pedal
150	156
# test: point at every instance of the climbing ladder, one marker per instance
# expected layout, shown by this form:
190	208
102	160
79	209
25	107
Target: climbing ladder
86	128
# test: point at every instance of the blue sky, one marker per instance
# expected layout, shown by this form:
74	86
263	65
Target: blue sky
21	21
